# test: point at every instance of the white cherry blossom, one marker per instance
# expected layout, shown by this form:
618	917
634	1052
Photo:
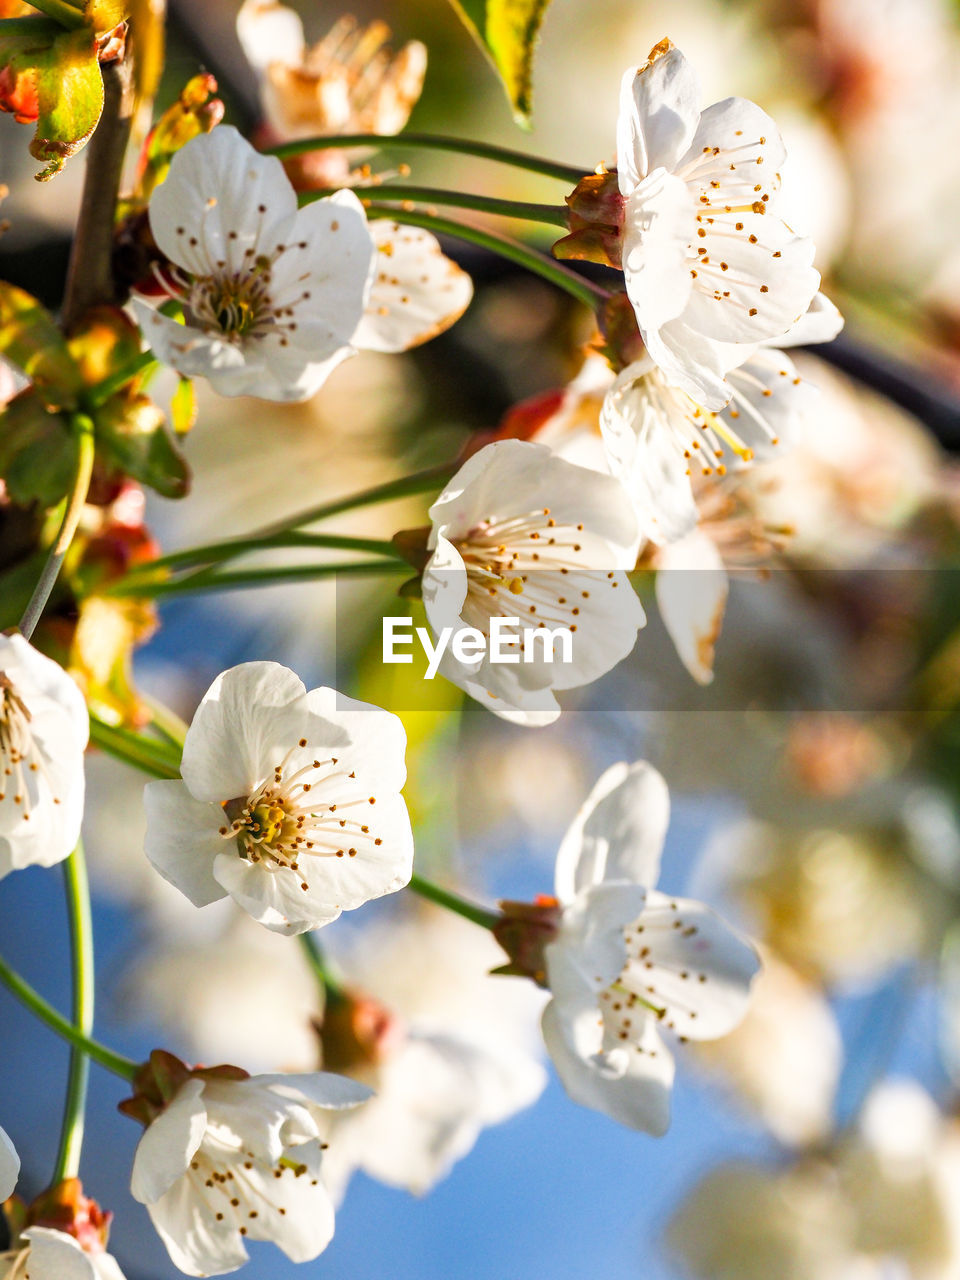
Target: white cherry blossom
658	437
44	728
290	801
629	961
271	294
9	1166
275	297
349	82
46	1254
460	1051
710	267
521	533
228	1160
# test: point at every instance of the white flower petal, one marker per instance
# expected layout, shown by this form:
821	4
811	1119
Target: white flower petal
658	225
693	964
514	476
270	32
639	428
275	898
590	947
821	323
45	729
198	1243
54	1255
692	587
317	1088
367	738
735	155
416	293
771	405
753	282
331	254
618	833
694	362
182	840
630	1084
242	728
168	1144
9	1166
220	199
529	708
659	111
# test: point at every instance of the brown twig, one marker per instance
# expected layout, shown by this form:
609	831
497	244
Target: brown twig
89	277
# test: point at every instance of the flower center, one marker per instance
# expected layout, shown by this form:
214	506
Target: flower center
305	807
19	756
517	565
239	306
236	303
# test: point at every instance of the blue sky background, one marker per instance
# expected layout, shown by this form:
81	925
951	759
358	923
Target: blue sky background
556	1191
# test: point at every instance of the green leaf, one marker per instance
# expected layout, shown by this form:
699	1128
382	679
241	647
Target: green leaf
69	99
52	77
30	338
38	451
507	32
132	436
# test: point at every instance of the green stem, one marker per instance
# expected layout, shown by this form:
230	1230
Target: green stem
591	295
419	482
98	395
207	580
453	902
123	744
81	944
521	209
166	722
434	142
68	526
43	30
35	1002
63	14
329	985
231	548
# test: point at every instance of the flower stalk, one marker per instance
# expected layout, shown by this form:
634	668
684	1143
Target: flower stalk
207	580
432	142
520	209
454	902
81	943
103	1056
83	427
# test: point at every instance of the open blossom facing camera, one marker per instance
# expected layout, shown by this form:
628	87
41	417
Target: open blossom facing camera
271	294
43	732
290	802
227	1157
520	533
709	266
628	961
274	297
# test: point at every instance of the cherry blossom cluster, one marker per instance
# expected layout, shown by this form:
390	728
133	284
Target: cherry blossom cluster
289	802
